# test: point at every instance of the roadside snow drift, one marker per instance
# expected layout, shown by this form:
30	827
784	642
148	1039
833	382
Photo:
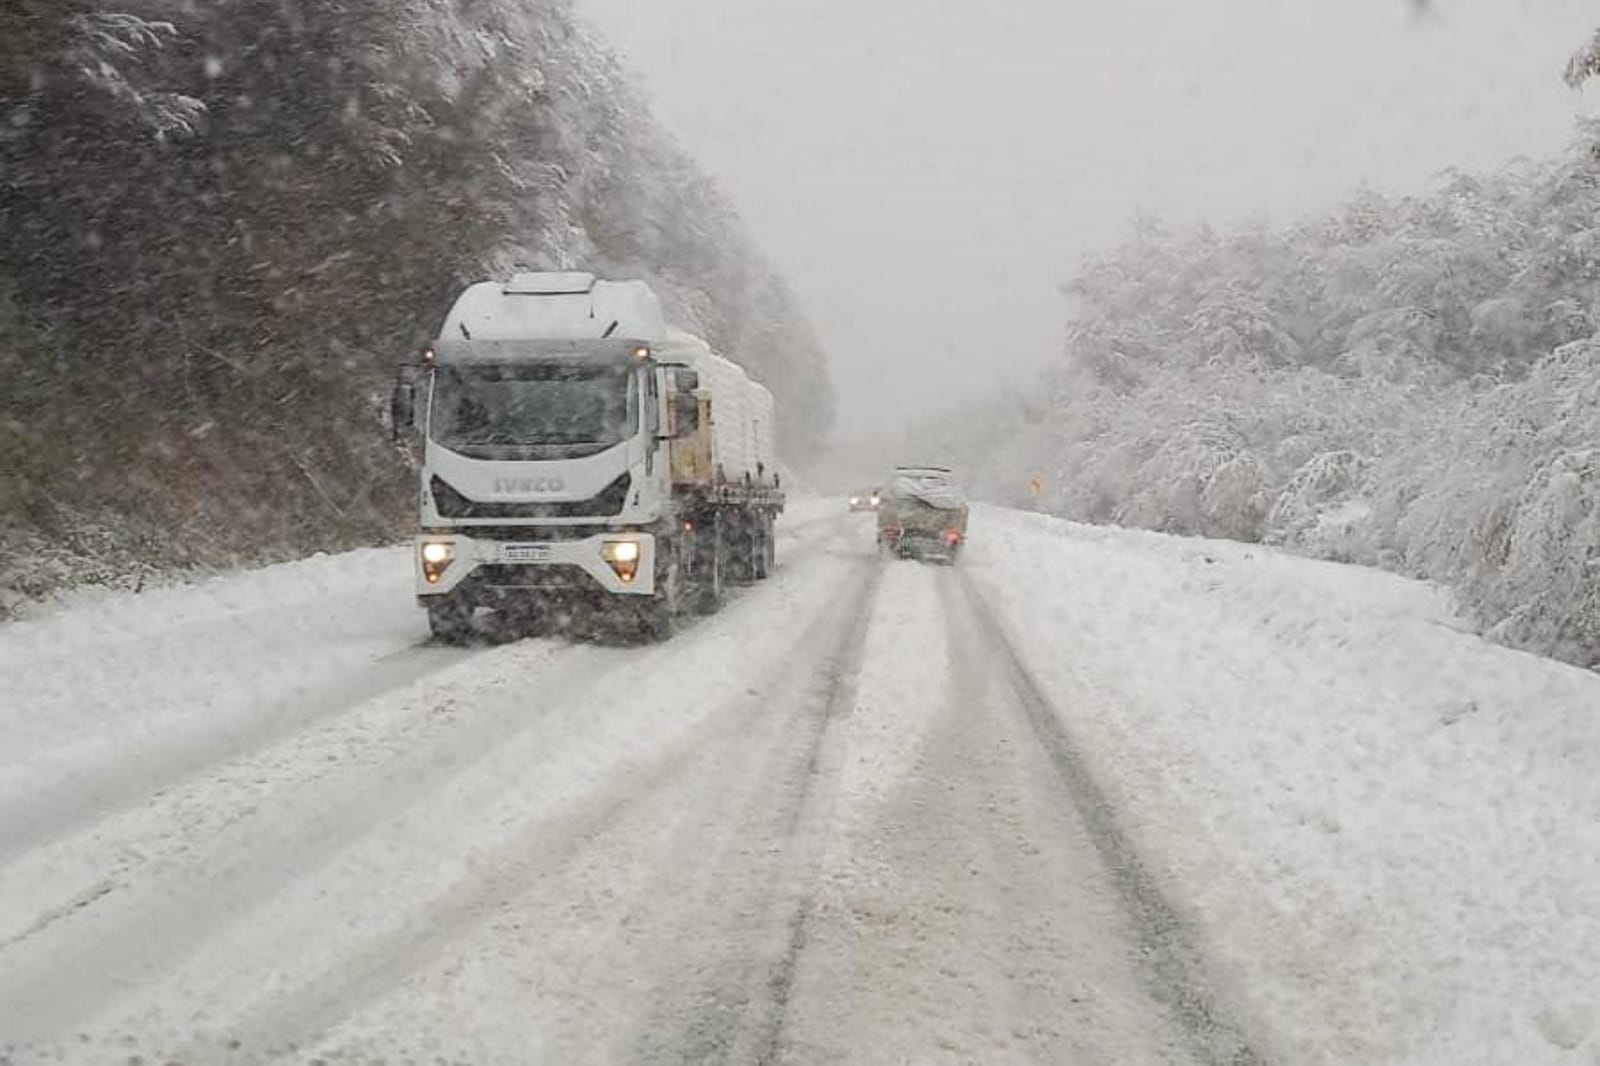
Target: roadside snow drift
1388	830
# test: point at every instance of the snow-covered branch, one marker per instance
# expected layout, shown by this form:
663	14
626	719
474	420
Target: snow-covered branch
108	45
1585	63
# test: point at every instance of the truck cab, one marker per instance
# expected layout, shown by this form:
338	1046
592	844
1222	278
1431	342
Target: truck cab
549	409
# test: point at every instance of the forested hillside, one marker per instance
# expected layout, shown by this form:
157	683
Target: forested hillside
224	225
1408	382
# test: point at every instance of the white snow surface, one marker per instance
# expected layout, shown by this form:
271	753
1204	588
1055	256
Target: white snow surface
260	817
1388	830
113	680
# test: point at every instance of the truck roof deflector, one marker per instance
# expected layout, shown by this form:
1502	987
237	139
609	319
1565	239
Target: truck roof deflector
549	284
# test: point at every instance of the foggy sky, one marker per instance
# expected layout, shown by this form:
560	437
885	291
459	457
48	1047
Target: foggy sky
928	172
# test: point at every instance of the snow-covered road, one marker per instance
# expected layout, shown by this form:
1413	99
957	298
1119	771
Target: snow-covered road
1090	796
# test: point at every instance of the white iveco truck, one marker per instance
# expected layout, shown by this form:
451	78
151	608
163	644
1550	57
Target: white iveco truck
578	453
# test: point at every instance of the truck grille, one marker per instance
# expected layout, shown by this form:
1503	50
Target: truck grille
608	501
526	533
511	576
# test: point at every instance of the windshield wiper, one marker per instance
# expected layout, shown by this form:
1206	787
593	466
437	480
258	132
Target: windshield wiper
546	442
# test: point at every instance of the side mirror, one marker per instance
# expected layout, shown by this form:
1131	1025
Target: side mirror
402	409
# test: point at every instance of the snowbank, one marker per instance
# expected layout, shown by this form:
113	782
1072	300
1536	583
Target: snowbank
107	677
1388	829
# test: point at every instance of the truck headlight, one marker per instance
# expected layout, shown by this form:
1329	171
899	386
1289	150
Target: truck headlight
621	551
436	558
622	556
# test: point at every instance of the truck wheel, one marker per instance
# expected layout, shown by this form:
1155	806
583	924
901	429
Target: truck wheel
655	618
450	619
741	545
532	616
652	619
710	567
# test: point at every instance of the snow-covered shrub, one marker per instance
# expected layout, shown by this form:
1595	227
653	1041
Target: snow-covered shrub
1323	510
1233	499
1374	386
1547	593
1503	503
1200	479
1326	479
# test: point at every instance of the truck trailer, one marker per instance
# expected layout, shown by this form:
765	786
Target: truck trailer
580	454
922	514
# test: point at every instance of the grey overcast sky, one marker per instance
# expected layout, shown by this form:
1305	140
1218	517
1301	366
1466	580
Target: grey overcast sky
928	172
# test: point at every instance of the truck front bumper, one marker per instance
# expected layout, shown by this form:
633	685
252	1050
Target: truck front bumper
621	564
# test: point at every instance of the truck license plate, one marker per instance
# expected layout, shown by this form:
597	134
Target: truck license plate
527	553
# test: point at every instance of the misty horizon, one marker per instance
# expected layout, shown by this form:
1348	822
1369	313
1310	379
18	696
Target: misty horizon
928	193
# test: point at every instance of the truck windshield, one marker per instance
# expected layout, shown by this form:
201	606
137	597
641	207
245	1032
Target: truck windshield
534	410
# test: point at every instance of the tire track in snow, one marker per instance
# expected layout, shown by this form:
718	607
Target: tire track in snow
546	847
737	1012
309	1012
75	801
78	800
1169	959
539	869
150	925
74	805
963	913
154	933
843	666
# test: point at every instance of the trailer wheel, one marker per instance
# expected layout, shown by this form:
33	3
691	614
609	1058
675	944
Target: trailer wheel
766	552
740	545
450	619
755	548
711	558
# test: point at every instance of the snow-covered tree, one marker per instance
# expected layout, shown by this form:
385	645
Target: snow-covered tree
1374	385
225	223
